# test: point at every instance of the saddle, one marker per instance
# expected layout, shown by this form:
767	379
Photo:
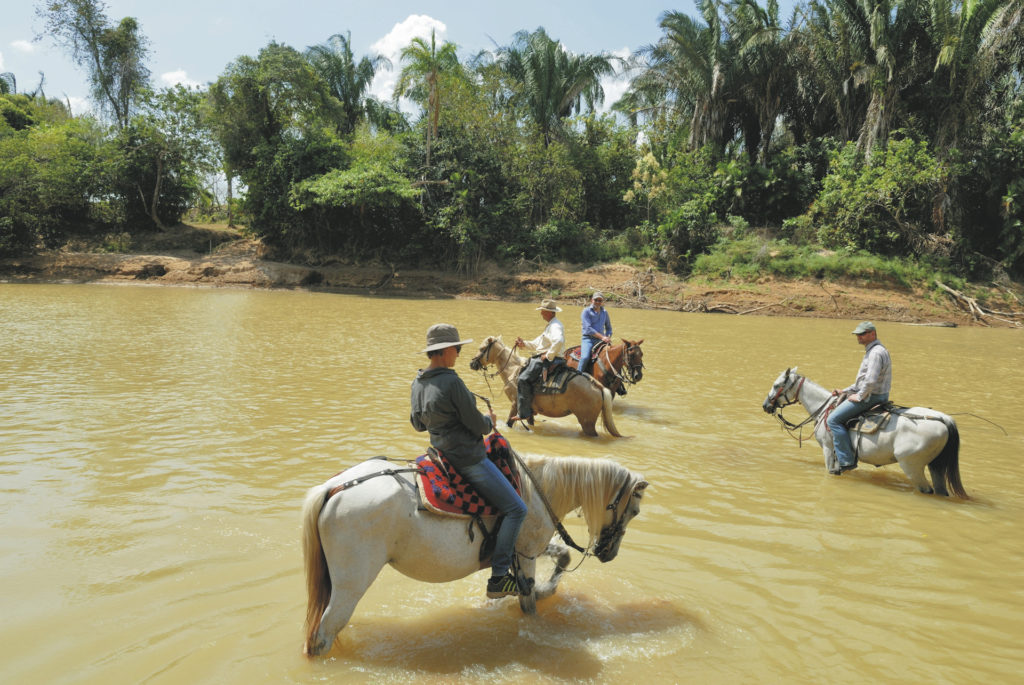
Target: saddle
559	375
445	491
574	352
874	419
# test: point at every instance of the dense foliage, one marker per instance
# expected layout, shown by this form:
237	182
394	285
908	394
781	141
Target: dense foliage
889	127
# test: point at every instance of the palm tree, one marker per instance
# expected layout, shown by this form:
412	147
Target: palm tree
828	99
692	67
973	41
888	44
424	66
554	82
765	76
347	79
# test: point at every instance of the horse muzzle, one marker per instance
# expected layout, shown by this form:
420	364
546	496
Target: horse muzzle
474	364
769	407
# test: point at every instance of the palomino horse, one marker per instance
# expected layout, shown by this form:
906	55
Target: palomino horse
583	396
615	365
370	515
914	437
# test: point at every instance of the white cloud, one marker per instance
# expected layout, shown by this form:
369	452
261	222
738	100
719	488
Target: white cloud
23	46
173	78
391	46
615	86
79	105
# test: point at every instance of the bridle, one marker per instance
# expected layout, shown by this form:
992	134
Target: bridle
632	368
777	408
613	532
477	363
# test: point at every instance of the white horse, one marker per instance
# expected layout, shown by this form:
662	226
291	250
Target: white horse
584	397
370	515
915	437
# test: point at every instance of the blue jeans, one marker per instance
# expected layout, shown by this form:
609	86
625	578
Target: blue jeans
836	423
495	488
585	348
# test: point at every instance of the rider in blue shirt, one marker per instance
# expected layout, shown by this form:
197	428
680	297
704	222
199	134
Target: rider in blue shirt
597	327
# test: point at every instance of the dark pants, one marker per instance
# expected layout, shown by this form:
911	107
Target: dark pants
530	375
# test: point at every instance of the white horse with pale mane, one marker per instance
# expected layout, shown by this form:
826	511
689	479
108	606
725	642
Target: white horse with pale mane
913	437
584	397
370	515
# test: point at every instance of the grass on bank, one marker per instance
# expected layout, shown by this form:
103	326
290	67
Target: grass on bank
750	257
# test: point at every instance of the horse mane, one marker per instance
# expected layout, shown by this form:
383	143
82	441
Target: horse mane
580	483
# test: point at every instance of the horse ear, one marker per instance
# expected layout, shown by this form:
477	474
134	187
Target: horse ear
793	369
639	342
498	338
642	485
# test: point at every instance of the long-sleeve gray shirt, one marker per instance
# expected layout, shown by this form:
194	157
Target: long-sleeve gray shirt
875	374
443	406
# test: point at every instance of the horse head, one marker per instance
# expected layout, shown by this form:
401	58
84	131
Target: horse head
486	355
619	515
633	359
779	396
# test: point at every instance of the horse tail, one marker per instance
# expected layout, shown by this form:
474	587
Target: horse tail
948	460
606	413
318	579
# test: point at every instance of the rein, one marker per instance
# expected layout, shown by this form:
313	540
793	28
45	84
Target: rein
789	426
562	532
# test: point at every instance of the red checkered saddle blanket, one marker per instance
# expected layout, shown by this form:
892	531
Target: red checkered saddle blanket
446	492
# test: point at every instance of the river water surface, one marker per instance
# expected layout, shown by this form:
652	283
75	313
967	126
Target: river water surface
156	445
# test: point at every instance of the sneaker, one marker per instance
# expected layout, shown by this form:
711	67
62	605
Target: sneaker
502	586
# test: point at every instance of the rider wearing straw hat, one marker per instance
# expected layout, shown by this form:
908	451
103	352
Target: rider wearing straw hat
443	406
547	350
874	380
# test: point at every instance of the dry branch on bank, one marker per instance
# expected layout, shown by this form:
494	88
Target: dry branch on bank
971	306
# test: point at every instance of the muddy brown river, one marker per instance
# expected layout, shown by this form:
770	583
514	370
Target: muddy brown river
156	445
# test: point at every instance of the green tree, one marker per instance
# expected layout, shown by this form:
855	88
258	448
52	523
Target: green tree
114	56
554	83
425	67
349	81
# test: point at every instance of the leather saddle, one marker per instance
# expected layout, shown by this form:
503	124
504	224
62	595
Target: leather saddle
874	419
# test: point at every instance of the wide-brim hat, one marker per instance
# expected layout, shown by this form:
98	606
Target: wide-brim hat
863	327
442	335
549	305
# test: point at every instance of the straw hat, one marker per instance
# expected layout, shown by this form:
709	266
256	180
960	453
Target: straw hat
549	305
442	335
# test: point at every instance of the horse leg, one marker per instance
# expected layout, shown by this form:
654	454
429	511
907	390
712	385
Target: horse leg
915	472
561	554
352	573
527	570
938	478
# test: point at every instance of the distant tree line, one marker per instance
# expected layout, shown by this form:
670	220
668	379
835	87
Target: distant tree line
893	127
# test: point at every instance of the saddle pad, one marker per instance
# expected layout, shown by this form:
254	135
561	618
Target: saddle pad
558	378
574	352
455	496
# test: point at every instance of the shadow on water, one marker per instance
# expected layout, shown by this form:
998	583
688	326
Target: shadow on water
564	640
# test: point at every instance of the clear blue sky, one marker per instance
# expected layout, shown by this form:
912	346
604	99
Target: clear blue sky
192	41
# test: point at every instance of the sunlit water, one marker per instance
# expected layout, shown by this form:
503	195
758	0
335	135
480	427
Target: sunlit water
156	444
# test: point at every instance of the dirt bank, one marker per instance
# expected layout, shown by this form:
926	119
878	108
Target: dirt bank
211	257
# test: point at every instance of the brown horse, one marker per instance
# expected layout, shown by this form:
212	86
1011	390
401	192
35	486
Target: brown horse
614	365
584	397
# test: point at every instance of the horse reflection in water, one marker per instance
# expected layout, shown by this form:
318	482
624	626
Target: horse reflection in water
356	522
914	437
